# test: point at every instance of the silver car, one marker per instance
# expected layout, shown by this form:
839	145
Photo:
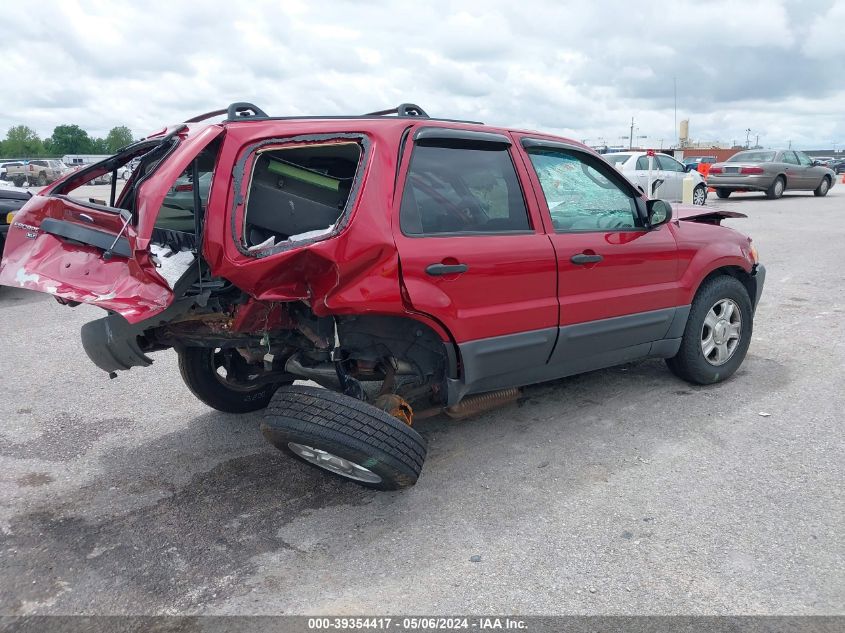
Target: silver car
770	171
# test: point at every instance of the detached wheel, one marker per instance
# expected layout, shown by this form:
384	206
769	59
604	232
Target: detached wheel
776	189
209	374
699	195
344	436
823	188
717	334
723	193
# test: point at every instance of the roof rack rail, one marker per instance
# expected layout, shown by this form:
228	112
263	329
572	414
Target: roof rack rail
242	110
235	112
403	110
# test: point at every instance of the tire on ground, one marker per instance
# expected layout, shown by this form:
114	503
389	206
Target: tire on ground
196	364
689	363
772	192
347	428
823	188
723	193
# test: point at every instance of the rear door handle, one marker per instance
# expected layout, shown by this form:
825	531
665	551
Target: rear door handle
583	258
446	269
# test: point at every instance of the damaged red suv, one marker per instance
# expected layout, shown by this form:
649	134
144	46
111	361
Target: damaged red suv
407	265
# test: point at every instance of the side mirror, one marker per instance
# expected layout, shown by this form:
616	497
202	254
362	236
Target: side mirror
659	212
817	163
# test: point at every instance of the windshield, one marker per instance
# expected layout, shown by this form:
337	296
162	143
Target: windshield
752	157
616	159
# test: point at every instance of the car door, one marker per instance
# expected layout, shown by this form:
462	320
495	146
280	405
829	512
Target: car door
617	280
796	175
659	184
811	174
674	173
474	254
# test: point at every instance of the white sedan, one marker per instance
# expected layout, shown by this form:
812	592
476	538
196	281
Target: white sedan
663	168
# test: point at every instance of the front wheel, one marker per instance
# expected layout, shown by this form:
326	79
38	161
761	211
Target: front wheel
823	188
717	334
345	437
210	375
699	195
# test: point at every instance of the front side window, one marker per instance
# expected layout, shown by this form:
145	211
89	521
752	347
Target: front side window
462	190
804	159
669	164
581	198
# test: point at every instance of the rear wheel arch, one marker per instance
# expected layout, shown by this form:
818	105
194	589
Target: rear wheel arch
390	331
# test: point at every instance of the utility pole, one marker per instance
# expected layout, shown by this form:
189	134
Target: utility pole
675	94
790	145
631	137
757	141
747	135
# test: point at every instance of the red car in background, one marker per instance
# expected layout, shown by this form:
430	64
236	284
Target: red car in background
408	264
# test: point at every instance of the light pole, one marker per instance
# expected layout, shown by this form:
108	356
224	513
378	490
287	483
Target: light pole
747	135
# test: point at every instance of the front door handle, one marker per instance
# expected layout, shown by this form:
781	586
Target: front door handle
583	258
446	269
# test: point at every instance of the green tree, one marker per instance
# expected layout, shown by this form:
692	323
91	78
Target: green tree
71	139
100	146
21	142
118	137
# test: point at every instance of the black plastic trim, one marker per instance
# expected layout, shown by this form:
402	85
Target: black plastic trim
519	359
85	235
450	136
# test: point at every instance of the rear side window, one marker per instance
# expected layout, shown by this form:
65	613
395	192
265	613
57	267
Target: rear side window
298	193
789	157
642	164
462	191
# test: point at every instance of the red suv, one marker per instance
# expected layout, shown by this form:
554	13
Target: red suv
406	264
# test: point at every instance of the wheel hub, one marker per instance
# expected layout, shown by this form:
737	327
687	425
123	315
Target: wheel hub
334	463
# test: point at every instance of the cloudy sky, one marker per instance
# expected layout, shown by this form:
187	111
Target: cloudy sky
581	69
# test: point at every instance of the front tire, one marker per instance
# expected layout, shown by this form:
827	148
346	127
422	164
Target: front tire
344	436
699	195
823	188
717	334
203	370
776	189
723	193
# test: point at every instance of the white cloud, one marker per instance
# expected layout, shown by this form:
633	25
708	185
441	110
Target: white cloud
582	69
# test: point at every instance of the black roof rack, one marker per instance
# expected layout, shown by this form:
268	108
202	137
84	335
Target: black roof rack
402	110
242	111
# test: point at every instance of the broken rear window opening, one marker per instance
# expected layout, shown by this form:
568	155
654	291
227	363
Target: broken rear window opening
147	155
298	193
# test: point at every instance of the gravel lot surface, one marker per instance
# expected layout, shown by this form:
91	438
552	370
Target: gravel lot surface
619	491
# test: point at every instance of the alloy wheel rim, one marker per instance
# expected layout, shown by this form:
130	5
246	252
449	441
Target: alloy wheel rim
779	187
721	332
698	197
334	463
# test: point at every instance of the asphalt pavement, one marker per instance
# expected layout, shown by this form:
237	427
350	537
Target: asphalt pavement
619	491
